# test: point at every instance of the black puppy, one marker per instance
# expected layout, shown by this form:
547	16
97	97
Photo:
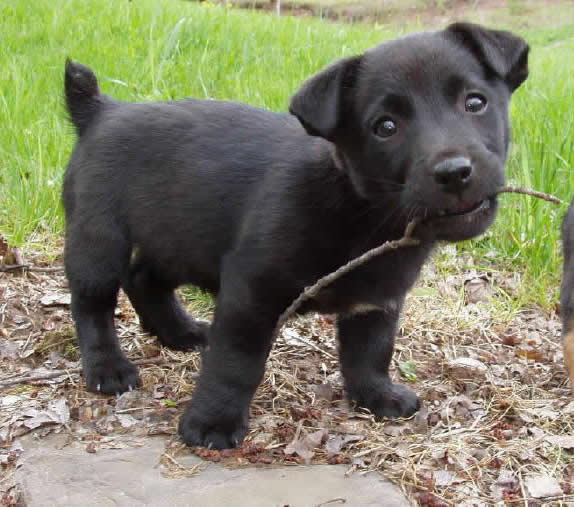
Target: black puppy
567	292
254	206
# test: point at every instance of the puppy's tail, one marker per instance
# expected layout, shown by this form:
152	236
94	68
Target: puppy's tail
83	98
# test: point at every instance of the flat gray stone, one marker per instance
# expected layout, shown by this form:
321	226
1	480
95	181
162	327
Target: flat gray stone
50	475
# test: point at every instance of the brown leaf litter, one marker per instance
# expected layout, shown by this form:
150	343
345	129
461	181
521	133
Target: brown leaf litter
497	419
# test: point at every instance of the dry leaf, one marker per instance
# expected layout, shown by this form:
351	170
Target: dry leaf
57	412
476	290
56	300
443	477
542	413
467	368
569	409
338	442
563	441
132	399
542	486
324	391
303	446
9	350
507	478
533	354
292	336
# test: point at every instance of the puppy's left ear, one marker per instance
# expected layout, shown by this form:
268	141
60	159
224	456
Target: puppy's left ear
501	52
321	102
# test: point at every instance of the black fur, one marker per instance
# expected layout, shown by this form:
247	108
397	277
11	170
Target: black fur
254	206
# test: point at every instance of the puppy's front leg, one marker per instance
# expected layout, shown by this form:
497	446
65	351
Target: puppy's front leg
366	346
239	343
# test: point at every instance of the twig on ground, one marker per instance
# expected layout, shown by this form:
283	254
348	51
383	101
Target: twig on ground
28	267
534	193
72	371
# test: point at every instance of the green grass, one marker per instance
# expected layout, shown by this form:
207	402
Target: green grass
143	50
166	49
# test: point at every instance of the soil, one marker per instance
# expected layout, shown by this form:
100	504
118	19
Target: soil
517	13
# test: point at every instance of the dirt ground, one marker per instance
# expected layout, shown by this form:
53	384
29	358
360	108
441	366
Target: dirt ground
518	14
497	423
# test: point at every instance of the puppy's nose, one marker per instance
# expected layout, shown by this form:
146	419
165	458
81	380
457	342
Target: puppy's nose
453	174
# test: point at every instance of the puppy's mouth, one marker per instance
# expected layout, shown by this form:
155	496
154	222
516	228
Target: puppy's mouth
462	221
466	209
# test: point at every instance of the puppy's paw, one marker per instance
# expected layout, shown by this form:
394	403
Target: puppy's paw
385	399
110	375
192	336
216	430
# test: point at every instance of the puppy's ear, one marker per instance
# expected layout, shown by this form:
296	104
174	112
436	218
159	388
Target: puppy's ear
501	52
320	103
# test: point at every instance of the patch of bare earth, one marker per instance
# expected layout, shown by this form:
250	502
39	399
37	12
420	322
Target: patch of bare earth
429	13
497	423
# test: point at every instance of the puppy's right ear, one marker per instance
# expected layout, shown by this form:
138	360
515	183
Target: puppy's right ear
320	103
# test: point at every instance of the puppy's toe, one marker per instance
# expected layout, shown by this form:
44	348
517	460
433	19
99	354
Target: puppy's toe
398	402
113	376
200	429
193	337
385	399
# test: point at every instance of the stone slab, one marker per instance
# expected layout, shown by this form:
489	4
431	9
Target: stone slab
50	475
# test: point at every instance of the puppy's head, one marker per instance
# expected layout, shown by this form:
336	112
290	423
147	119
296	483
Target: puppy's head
420	124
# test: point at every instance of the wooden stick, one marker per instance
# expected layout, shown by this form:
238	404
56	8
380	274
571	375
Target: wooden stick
24	379
28	267
533	193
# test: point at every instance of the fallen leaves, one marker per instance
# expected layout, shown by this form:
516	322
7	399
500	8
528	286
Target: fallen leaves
467	368
562	441
57	412
336	443
56	299
477	290
304	444
496	407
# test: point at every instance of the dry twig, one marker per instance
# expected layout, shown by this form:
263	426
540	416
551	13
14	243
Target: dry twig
29	267
534	193
72	371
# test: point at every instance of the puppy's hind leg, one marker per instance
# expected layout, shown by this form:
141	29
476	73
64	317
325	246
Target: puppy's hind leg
160	312
94	266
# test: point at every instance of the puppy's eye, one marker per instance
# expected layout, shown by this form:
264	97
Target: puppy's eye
385	127
475	103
